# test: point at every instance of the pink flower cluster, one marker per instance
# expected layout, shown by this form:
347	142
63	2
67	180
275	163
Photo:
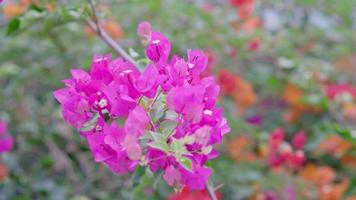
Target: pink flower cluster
332	91
164	117
282	152
6	141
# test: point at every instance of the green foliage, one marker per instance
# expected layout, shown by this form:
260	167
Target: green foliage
51	161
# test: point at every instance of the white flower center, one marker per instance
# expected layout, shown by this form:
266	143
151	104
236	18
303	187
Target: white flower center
156	41
103	103
208	112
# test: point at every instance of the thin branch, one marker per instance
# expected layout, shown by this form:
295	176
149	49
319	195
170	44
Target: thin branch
95	25
211	191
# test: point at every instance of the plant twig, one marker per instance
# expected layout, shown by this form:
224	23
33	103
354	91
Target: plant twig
211	191
95	25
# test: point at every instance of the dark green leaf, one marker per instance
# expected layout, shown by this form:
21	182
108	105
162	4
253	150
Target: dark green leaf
13	26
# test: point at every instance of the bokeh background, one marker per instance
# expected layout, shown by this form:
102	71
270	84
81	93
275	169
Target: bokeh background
288	64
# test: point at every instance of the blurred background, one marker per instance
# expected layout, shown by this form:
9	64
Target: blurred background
285	67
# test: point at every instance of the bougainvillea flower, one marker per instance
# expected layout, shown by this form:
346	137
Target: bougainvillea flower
6	141
253	45
281	152
332	91
299	140
255	120
188	194
276	138
158	48
164	118
144	30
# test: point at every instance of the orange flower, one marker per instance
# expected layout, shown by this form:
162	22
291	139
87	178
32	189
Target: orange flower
50	7
12	9
323	177
240	149
251	24
333	192
114	29
349	161
244	95
111	27
318	175
349	110
335	145
293	96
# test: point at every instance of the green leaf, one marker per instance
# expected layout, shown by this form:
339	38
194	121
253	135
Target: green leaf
346	134
206	150
139	172
36	8
89	125
133	53
167	127
170	115
13	26
146	181
159	142
158	108
178	147
186	163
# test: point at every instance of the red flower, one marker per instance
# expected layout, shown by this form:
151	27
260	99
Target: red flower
187	194
238	3
332	91
253	45
299	140
276	138
227	81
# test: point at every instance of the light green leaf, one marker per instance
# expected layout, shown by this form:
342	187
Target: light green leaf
178	147
186	163
159	142
167	127
158	108
206	150
133	53
89	125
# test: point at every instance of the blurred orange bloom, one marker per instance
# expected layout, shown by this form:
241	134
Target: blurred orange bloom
12	9
240	149
110	26
243	94
241	91
318	175
293	96
346	63
50	7
333	192
323	177
251	24
349	110
27	2
349	161
335	145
